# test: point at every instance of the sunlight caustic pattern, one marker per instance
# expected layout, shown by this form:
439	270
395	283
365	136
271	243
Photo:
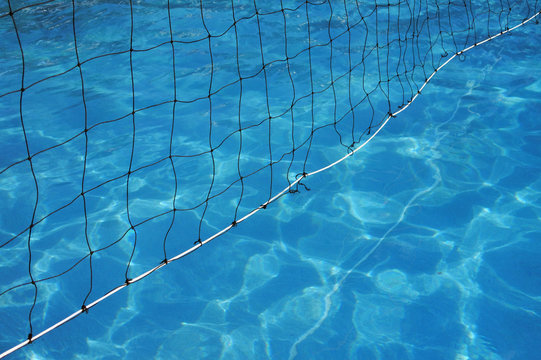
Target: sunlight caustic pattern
210	117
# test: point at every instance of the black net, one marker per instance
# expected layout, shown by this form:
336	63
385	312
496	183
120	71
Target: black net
132	132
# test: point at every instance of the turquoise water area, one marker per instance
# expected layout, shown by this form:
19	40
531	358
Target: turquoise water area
425	244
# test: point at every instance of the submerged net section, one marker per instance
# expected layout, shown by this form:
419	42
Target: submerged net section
134	133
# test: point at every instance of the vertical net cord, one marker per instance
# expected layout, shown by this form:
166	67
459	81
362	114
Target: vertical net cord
350	70
234	223
211	151
287	189
132	227
83	194
293	98
28	243
335	103
269	116
175	100
311	90
363	83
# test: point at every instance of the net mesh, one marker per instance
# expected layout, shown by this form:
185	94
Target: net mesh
134	133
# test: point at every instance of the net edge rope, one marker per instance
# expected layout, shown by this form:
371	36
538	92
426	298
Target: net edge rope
85	309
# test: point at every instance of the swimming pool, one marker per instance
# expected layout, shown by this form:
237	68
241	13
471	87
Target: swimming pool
422	245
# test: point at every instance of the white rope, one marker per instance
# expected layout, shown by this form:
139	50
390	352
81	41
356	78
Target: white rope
263	206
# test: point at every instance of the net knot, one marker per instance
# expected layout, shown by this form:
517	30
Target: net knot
234	223
198	241
302	176
84	309
29	338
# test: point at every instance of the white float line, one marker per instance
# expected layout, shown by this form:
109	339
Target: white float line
263	206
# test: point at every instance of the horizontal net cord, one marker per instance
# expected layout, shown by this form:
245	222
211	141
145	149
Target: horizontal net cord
239	20
25	7
339	77
297	100
258	72
271	200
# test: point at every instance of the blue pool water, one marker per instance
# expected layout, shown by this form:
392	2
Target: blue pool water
425	244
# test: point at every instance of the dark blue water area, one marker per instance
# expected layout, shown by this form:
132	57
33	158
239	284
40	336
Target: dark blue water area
425	244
